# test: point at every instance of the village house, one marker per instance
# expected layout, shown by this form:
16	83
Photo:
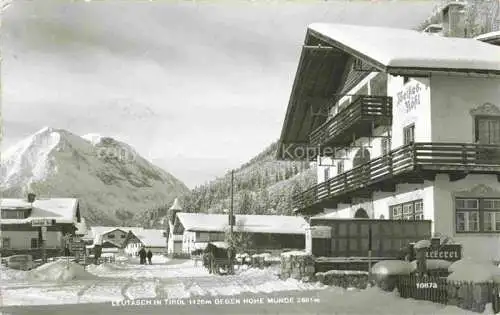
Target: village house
21	231
266	232
111	238
150	239
402	125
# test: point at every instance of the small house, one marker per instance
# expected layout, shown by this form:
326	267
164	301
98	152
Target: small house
28	224
150	239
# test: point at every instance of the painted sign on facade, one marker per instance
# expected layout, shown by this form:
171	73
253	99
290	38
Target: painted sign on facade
321	232
449	252
410	97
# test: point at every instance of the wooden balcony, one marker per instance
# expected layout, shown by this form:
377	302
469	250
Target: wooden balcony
356	120
412	163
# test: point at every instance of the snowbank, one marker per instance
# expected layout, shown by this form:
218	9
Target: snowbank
343	272
474	271
60	271
160	259
433	264
294	253
392	268
8	274
105	268
422	244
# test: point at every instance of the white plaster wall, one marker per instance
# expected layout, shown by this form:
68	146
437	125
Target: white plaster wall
420	115
478	246
452	99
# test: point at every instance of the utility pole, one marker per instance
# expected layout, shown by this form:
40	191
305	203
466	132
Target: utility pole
231	224
231	211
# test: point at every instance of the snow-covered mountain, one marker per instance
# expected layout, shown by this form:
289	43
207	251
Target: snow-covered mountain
110	178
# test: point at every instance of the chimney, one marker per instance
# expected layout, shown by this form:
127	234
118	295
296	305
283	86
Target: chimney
453	19
174	209
31	197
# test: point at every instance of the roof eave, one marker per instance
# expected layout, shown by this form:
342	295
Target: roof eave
422	71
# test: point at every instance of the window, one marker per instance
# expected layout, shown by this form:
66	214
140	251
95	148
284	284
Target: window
487	130
202	236
13	214
413	210
111	236
340	167
327	173
34	243
384	146
123	236
5	242
216	236
477	215
409	134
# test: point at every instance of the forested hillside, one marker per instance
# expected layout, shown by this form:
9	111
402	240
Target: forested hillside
261	186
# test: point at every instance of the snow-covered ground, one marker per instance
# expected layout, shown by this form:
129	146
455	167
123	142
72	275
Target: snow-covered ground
180	279
62	283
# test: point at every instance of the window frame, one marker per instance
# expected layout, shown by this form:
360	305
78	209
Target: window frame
37	242
397	211
405	138
326	174
340	167
385	146
477	119
4	240
482	211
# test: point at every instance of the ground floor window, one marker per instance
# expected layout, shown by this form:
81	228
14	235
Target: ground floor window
34	243
477	215
5	242
412	210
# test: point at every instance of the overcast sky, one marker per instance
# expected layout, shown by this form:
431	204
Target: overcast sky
198	88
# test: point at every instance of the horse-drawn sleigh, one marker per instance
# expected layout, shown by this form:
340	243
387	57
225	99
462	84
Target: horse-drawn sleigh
218	258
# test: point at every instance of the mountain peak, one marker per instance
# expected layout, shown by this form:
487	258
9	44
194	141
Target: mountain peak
93	138
107	174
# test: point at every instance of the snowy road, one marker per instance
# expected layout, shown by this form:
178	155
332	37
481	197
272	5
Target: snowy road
179	287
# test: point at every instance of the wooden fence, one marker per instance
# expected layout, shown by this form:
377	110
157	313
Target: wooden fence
466	295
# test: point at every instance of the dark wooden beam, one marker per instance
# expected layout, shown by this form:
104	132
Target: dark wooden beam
387	187
330	204
410	179
430	176
372	62
457	176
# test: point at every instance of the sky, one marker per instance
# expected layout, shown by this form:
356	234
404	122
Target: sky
197	87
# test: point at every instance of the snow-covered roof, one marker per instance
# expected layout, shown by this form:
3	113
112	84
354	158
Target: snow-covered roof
151	237
489	37
95	233
397	49
204	222
63	210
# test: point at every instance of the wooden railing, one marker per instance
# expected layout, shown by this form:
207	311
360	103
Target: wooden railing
363	108
412	158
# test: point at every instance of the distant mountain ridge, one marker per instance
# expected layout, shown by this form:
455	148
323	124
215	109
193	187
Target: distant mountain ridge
263	185
113	182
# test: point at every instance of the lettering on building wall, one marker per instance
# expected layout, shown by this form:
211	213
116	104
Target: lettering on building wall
410	97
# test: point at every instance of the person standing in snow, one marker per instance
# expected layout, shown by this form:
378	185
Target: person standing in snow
150	256
142	256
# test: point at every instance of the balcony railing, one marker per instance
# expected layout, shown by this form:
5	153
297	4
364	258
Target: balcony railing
356	119
401	165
